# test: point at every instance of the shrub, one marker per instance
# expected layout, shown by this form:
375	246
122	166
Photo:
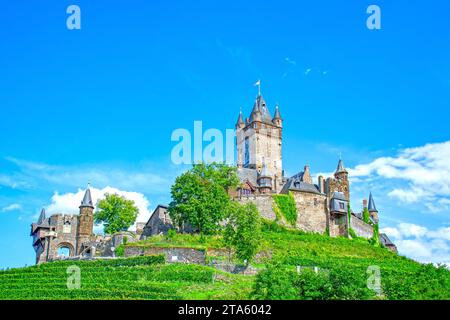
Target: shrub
285	204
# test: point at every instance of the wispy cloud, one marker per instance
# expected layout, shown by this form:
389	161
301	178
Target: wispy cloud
12	207
290	61
146	179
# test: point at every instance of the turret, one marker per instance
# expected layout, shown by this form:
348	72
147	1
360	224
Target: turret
86	221
240	122
372	209
277	117
341	172
265	180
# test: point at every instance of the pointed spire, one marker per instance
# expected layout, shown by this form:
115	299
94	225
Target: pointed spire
340	167
277	113
256	113
87	199
240	120
265	172
41	217
371	206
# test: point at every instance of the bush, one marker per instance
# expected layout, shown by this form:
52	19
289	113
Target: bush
278	281
285	204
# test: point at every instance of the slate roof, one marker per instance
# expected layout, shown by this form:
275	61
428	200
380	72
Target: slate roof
240	119
340	166
296	183
41	217
385	240
339	196
371	207
277	113
246	174
87	199
261	111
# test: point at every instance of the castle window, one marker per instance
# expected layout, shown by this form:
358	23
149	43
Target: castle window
246	152
341	205
316	202
67	228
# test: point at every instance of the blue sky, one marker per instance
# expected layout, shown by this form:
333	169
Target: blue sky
99	104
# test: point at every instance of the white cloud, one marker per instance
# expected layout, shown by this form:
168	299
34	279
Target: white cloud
412	230
420	243
12	207
69	203
425	169
307	71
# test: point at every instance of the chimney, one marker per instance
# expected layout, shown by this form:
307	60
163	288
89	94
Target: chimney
306	175
321	185
364	203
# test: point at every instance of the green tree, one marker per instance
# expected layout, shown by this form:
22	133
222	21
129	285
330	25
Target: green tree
243	231
366	215
116	213
200	198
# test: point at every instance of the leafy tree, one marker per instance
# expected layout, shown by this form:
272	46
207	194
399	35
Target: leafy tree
366	215
116	213
200	198
243	231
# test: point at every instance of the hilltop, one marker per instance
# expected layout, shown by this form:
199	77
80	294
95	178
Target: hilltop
151	277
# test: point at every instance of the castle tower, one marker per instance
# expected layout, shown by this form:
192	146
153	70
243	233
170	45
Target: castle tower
372	209
259	141
341	176
85	222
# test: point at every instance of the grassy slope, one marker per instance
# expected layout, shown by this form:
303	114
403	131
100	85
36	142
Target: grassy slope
109	280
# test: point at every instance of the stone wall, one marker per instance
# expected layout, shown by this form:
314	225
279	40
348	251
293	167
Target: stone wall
311	210
264	203
338	225
361	228
184	255
65	227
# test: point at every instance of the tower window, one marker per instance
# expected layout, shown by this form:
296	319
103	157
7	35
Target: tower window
341	205
246	152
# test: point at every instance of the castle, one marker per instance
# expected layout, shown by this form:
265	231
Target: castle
322	207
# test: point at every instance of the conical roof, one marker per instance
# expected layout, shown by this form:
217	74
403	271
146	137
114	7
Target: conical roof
240	119
87	199
277	113
340	166
371	206
41	217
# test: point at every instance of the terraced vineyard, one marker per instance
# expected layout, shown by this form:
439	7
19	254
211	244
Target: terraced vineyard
148	277
132	278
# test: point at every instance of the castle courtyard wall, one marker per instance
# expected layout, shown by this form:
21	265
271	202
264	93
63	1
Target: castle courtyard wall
311	210
361	228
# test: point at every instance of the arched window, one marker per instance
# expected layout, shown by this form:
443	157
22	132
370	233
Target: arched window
64	252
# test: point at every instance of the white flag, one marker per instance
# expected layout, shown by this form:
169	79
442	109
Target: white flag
257	83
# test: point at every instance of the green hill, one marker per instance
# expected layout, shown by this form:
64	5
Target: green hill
150	278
